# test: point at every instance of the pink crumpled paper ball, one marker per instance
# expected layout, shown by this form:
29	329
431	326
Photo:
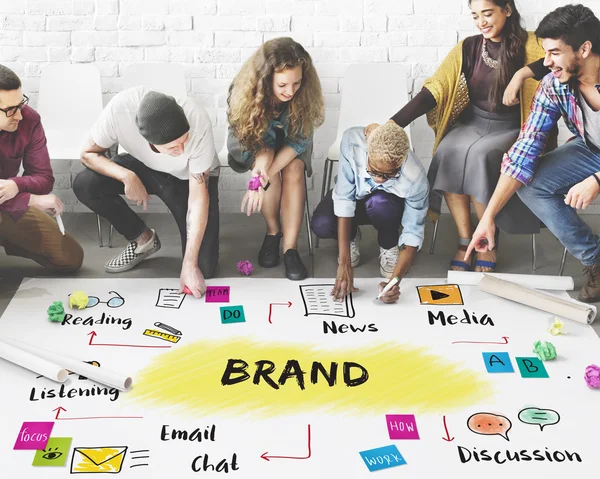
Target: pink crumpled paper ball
592	376
245	267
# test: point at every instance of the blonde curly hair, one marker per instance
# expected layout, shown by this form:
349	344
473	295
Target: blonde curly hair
251	101
389	144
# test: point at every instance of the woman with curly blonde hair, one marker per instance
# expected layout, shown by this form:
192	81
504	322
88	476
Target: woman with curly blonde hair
274	105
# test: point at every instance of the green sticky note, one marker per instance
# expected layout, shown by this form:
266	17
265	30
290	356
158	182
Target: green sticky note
531	368
55	453
232	314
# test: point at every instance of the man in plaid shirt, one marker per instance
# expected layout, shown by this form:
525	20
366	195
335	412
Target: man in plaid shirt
554	185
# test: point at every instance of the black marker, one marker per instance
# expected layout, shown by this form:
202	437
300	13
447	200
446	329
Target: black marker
166	327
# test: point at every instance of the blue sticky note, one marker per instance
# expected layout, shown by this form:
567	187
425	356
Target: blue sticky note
382	458
532	368
498	363
232	314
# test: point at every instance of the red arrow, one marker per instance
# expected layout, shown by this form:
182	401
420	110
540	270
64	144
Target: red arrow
59	409
447	438
288	304
505	341
268	458
93	334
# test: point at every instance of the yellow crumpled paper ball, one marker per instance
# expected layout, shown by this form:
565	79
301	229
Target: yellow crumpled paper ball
78	300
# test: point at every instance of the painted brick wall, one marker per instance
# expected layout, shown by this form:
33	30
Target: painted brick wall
211	38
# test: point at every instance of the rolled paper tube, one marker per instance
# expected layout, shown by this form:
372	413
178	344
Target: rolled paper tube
566	308
472	278
32	362
99	375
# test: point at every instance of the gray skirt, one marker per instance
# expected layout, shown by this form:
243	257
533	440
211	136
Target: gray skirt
468	160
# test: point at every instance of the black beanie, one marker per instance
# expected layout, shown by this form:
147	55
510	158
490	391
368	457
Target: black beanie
160	119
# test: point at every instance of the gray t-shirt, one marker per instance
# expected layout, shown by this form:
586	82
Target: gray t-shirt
591	122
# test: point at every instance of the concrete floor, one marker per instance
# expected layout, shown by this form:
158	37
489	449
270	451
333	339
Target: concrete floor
241	238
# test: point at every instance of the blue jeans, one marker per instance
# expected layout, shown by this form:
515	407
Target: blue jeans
556	173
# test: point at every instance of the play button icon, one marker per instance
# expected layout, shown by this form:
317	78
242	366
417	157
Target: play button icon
436	295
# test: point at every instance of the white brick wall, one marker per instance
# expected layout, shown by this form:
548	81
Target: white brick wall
211	38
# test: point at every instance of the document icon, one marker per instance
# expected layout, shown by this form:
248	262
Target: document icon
169	298
98	460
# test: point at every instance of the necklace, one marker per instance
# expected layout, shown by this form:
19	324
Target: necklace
486	57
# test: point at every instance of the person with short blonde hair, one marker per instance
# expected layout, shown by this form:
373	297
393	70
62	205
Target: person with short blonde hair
380	182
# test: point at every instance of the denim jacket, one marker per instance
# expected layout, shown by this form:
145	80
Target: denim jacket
241	159
353	183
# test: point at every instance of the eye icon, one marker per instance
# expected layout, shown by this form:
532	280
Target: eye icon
51	455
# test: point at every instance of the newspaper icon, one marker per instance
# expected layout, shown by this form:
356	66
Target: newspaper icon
318	300
169	298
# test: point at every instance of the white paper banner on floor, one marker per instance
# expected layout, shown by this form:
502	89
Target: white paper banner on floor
273	380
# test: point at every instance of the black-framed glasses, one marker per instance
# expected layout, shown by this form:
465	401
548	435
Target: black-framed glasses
384	176
11	111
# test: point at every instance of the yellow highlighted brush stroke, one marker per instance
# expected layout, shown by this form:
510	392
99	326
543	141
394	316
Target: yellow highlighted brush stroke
400	378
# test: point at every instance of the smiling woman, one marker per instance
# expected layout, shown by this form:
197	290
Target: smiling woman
465	106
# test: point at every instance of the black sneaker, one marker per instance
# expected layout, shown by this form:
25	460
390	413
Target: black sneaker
294	267
268	256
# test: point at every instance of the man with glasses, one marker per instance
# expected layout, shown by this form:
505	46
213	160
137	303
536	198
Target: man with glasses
26	205
380	182
170	153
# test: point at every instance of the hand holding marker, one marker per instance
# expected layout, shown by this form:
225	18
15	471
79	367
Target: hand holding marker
388	286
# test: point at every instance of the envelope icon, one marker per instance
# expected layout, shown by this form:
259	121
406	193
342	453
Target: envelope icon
98	459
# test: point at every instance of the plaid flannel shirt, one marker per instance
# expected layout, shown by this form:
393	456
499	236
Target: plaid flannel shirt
551	101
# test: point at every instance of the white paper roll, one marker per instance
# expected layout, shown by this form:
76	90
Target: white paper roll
99	375
34	363
558	283
566	308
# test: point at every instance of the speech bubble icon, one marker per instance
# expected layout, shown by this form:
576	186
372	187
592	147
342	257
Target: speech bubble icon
541	417
489	424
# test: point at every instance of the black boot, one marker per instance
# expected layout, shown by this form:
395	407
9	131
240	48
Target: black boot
294	267
268	256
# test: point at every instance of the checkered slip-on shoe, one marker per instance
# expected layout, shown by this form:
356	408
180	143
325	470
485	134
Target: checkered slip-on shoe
132	255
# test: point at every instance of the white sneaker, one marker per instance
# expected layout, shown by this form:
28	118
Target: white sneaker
355	249
387	261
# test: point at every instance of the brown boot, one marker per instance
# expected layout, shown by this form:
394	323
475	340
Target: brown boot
590	293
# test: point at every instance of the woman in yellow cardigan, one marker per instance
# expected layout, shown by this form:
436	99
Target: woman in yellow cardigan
463	101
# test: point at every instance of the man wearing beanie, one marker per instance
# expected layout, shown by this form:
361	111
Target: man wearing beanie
168	152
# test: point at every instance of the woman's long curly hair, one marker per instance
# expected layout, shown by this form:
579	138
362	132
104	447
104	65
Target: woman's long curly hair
251	102
512	53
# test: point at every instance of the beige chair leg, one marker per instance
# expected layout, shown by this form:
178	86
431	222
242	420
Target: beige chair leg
534	252
563	262
434	236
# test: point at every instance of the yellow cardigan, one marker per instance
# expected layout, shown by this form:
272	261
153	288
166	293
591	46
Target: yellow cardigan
449	88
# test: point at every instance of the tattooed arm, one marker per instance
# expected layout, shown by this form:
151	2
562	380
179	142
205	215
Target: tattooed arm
93	157
196	219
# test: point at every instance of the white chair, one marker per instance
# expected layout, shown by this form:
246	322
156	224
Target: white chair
223	154
167	78
364	101
70	102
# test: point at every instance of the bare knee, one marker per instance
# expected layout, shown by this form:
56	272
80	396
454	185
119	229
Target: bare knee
294	171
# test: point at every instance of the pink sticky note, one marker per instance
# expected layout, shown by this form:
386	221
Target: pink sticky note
402	426
34	435
217	294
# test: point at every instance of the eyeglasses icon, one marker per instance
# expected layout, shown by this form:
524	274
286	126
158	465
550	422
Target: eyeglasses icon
114	302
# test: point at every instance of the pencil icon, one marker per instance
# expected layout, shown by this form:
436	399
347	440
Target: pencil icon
166	327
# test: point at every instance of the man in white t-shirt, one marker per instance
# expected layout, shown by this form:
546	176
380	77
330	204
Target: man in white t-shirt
170	153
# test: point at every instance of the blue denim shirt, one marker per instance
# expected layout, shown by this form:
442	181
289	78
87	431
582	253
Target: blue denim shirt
354	183
245	158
